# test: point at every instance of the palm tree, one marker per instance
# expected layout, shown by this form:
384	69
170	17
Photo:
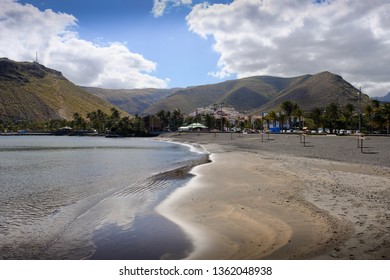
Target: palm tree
317	116
382	117
375	113
115	114
98	119
298	113
369	112
209	121
375	103
78	121
258	124
163	118
332	113
282	119
348	113
176	120
386	115
267	121
113	120
288	107
272	116
139	125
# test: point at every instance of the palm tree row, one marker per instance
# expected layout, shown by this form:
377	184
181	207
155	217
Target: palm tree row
374	117
290	113
115	124
171	120
109	124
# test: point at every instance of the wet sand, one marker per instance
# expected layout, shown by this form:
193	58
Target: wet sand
280	199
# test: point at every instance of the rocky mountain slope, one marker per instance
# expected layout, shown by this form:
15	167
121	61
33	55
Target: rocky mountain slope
30	91
263	93
133	101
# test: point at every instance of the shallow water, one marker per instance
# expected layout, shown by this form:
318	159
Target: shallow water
73	197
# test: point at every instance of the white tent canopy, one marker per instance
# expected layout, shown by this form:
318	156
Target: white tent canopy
196	125
192	127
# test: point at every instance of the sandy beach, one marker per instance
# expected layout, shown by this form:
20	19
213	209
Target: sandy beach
273	197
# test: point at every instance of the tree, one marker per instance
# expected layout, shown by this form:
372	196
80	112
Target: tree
369	112
113	120
189	120
347	114
258	124
197	118
209	121
176	120
164	119
168	117
317	116
125	127
98	120
282	119
78	122
298	113
139	126
375	103
386	115
54	125
288	107
115	115
382	117
332	115
272	117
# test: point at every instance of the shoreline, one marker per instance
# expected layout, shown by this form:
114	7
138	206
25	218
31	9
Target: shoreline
258	204
115	220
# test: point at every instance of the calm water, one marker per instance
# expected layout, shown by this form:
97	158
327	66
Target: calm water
85	197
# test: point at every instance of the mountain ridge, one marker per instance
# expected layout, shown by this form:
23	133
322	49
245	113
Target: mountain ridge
133	101
385	98
259	94
30	91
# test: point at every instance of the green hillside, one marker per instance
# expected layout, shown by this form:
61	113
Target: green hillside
316	91
264	93
133	101
30	91
243	94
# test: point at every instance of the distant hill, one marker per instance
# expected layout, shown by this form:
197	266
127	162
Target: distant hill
263	93
242	94
133	101
317	90
385	98
30	91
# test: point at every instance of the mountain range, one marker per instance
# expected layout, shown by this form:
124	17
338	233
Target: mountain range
255	95
30	91
133	101
385	98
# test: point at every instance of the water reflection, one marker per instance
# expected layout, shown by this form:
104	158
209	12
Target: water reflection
59	194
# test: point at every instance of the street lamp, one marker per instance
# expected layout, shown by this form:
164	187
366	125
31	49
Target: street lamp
360	109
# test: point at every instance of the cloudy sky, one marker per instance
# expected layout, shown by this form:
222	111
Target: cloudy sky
171	43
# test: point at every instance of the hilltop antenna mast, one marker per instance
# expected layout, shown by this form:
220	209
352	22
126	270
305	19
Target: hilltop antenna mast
36	57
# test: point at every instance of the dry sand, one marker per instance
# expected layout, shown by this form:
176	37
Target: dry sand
280	200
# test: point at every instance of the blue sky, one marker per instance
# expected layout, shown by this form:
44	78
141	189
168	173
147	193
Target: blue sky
182	57
179	43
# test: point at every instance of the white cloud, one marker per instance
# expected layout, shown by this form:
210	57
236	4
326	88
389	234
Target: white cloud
24	29
160	6
295	37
